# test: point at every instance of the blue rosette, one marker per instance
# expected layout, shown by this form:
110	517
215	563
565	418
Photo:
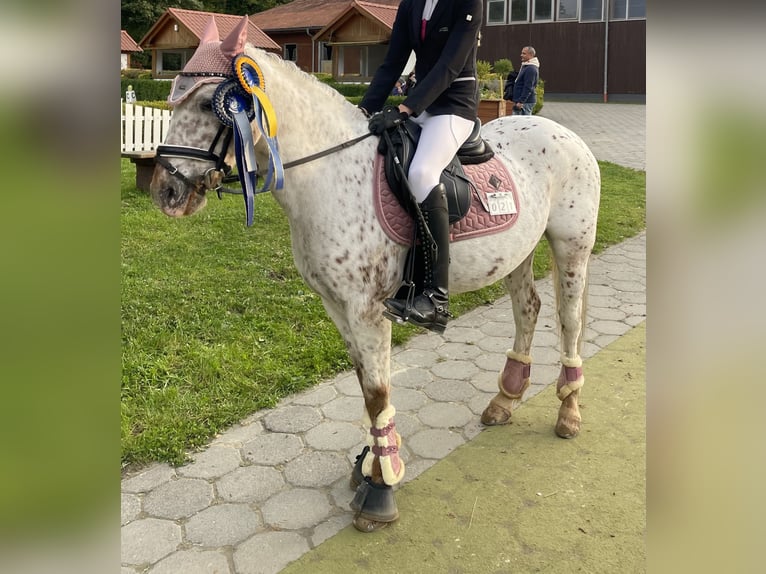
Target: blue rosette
229	96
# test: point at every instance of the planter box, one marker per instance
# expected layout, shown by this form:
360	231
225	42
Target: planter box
490	110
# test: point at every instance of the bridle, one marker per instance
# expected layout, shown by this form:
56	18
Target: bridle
206	181
237	102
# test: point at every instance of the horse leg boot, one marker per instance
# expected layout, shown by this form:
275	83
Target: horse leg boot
568	387
512	382
430	309
374	500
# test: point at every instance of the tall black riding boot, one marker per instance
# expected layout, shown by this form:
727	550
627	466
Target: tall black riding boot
430	309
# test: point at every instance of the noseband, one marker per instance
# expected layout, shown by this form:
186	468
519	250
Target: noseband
205	181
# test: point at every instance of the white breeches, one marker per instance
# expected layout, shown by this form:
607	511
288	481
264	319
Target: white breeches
440	138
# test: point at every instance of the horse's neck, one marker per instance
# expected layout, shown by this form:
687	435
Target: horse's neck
310	117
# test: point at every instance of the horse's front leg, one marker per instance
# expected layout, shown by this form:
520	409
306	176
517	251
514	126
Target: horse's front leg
515	376
378	468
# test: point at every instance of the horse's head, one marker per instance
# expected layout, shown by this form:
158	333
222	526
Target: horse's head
199	149
194	157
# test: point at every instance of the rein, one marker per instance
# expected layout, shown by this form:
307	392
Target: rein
326	152
186	152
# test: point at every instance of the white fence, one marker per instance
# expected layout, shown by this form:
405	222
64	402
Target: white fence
141	128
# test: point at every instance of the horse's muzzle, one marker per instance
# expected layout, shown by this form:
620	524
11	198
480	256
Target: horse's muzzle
174	197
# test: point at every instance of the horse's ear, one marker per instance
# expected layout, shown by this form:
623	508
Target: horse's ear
235	42
211	32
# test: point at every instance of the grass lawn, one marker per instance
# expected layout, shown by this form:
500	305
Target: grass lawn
217	323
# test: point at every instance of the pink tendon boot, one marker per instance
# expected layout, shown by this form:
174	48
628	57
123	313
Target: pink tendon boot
512	382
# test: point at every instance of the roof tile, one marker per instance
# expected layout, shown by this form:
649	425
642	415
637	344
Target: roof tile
127	43
314	14
196	20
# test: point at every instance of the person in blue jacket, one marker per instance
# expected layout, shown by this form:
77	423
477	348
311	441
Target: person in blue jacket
444	103
524	95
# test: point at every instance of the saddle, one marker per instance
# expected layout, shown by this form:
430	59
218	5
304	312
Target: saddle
404	141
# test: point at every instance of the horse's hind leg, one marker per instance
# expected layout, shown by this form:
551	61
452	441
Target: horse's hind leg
368	339
570	282
514	379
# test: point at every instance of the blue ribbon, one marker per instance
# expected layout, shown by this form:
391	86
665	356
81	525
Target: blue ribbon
244	150
275	160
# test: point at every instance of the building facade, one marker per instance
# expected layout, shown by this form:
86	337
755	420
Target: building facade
586	47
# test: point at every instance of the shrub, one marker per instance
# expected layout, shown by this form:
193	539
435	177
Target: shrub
136	74
490	90
323	77
350	90
483	69
391	101
161	104
540	92
503	67
152	90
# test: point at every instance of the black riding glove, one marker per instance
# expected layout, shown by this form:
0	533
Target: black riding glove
387	119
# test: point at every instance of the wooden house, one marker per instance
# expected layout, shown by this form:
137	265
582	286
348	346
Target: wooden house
128	46
175	36
299	28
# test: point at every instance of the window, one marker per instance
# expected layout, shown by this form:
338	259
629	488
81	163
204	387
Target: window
591	10
567	10
519	10
326	51
500	12
617	9
543	10
496	12
626	9
636	9
171	62
291	52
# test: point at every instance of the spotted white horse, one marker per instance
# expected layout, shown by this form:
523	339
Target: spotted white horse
343	253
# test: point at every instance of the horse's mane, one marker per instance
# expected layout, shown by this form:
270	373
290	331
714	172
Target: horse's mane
288	66
304	103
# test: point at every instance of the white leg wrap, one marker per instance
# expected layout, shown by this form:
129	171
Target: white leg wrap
520	357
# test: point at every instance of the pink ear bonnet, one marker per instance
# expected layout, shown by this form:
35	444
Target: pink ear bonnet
211	63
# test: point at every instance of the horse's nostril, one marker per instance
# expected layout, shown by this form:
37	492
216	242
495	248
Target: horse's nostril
170	193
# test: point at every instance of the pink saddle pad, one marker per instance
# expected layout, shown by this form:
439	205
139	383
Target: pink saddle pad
490	177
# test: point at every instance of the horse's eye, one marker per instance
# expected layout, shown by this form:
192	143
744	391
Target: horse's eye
206	106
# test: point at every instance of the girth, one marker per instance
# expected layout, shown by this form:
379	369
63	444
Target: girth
405	140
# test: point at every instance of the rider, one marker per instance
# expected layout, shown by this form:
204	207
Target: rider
444	103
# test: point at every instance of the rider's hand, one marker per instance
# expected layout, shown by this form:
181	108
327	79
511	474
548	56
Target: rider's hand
387	119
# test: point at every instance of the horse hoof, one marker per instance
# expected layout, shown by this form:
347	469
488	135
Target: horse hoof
375	506
366	525
568	428
495	415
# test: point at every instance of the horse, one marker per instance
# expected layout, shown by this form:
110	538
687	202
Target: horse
343	254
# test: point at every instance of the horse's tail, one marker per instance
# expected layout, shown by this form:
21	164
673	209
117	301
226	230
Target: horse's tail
584	302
